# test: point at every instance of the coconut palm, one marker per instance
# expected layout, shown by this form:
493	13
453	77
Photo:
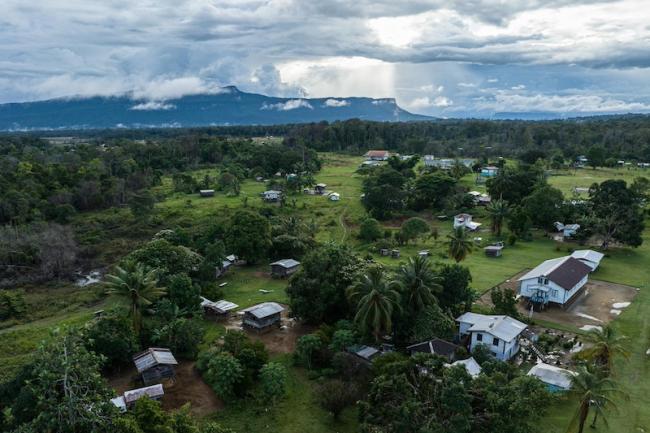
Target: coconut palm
498	211
605	344
418	282
137	285
376	299
459	244
593	391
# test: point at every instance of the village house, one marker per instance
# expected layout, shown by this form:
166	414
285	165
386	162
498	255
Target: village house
155	364
365	354
377	155
271	195
218	309
489	171
446	163
500	334
284	267
556	379
588	257
206	193
567	230
556	280
263	316
435	346
465	220
128	399
470	365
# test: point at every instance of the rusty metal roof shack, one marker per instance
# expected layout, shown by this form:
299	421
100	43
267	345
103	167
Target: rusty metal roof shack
155	364
154	392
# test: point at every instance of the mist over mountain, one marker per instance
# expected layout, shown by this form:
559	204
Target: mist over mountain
230	106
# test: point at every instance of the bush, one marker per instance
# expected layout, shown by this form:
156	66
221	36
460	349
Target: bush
182	336
334	396
273	380
183	293
113	337
224	373
306	349
370	230
342	339
12	304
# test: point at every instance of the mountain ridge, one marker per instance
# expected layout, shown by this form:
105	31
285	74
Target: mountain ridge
227	106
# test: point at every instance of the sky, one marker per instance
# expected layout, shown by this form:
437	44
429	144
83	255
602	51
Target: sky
445	58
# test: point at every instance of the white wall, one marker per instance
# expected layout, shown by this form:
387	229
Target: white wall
503	351
557	294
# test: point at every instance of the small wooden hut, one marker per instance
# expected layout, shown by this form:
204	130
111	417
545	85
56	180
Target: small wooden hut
155	364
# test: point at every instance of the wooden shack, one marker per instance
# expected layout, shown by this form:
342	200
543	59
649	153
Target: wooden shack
155	364
219	309
284	268
263	316
384	252
493	250
394	253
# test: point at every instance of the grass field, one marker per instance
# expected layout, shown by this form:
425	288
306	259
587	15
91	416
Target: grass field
109	231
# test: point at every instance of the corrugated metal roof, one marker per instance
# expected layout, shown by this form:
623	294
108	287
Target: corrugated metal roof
589	255
436	345
503	327
119	403
221	306
471	366
153	391
152	357
544	268
265	309
286	263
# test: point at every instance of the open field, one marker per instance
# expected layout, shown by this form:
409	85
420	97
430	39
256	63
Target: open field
109	231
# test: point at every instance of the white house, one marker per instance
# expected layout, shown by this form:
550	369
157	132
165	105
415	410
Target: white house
499	333
555	378
590	258
556	280
271	195
567	230
465	220
377	155
470	364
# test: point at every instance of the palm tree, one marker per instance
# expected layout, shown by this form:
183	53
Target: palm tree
498	211
605	344
592	390
459	244
376	299
418	283
137	285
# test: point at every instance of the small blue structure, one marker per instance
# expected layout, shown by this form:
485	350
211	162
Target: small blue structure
489	171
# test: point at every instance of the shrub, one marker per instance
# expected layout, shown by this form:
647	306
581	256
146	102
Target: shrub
306	349
273	380
224	373
334	396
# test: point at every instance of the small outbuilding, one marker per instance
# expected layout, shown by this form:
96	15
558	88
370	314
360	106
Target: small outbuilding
465	220
320	188
284	267
263	316
220	308
395	253
471	366
155	364
335	196
567	230
206	193
128	399
364	353
435	346
588	257
489	171
493	250
271	195
556	379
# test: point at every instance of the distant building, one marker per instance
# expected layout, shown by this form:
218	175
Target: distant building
556	379
489	171
567	230
335	196
271	195
465	220
206	193
435	346
263	316
556	280
377	155
155	364
128	399
284	267
446	163
588	257
500	334
493	250
220	308
365	354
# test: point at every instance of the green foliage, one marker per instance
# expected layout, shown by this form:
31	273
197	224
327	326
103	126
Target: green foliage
112	336
514	184
504	302
317	291
168	259
498	210
335	395
429	323
224	372
431	190
306	350
544	206
142	204
213	427
12	304
181	335
183	293
412	228
342	339
369	230
273	380
456	295
460	244
418	283
248	235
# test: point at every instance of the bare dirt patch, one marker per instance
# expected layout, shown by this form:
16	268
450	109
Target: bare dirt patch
598	304
188	387
276	340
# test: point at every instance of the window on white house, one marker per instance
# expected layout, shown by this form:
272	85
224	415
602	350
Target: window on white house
554	293
542	280
479	337
495	342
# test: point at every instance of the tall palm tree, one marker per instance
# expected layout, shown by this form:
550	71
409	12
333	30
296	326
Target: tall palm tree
593	391
498	211
460	245
418	282
376	299
605	344
137	285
